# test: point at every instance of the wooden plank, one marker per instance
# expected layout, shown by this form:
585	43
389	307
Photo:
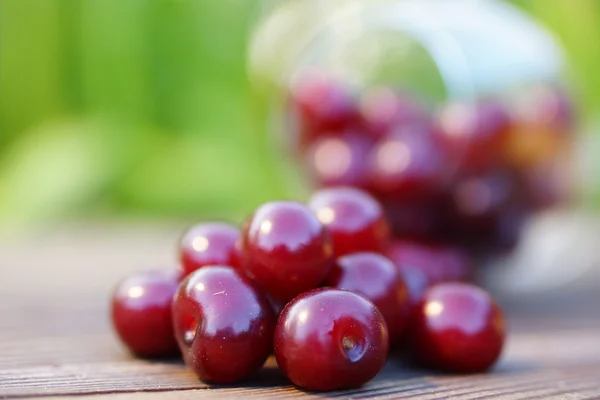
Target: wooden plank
55	336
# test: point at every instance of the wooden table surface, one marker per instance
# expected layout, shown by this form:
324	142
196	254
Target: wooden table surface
56	341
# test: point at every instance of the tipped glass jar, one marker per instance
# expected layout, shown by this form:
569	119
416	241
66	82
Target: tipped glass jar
452	113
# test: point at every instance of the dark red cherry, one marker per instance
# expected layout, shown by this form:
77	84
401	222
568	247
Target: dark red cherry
286	249
341	159
319	105
381	110
329	339
223	324
354	219
376	278
409	163
141	312
458	327
423	264
212	243
475	134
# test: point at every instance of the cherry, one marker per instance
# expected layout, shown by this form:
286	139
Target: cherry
286	249
319	105
212	243
409	163
459	328
141	312
223	324
482	206
475	134
341	159
354	219
329	339
381	110
376	278
424	264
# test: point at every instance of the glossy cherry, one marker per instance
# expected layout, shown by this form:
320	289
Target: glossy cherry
376	278
424	264
458	327
141	312
337	160
212	243
287	250
354	219
329	339
319	105
223	324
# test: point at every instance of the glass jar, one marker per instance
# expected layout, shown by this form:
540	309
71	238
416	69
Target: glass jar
452	113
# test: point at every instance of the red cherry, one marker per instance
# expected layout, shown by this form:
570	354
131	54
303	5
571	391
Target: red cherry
319	105
212	243
409	163
354	219
329	339
223	324
458	327
376	278
341	159
381	110
141	312
422	265
475	134
286	249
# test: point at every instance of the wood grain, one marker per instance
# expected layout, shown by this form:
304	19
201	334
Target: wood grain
55	337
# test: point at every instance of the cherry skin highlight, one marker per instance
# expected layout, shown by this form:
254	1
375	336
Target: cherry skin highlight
377	279
286	249
329	339
212	243
354	219
141	313
459	328
409	163
339	159
223	324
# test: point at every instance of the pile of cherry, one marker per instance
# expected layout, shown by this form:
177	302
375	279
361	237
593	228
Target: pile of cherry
463	173
322	286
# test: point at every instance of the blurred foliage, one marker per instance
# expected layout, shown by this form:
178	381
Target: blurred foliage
144	107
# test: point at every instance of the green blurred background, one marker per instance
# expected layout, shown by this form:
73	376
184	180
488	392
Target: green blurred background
143	109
